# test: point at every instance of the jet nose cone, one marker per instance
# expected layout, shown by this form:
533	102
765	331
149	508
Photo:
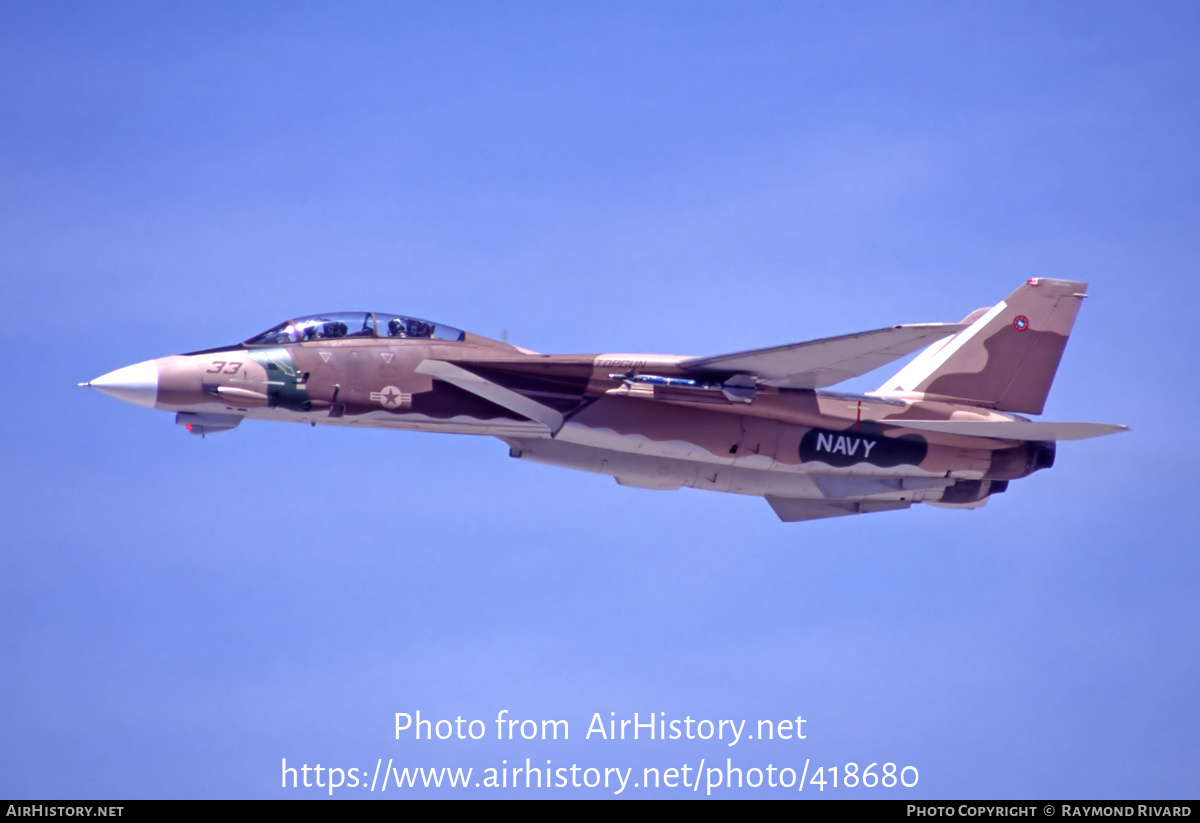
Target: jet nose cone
136	384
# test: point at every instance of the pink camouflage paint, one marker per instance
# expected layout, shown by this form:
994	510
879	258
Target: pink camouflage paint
948	429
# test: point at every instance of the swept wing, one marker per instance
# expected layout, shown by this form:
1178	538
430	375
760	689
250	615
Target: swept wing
816	364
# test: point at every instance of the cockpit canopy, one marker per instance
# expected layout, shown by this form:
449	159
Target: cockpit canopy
340	325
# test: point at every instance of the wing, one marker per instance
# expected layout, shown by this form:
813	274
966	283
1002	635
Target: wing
819	363
493	392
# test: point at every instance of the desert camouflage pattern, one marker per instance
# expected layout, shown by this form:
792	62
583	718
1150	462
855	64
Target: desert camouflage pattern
944	430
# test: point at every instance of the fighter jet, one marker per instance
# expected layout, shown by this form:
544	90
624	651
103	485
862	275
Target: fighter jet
947	429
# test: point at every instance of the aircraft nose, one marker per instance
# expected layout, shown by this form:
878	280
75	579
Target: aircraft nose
136	384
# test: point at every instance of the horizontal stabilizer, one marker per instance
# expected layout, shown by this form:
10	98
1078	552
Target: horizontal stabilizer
1013	429
819	363
794	510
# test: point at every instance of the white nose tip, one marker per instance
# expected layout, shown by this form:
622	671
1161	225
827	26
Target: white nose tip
134	384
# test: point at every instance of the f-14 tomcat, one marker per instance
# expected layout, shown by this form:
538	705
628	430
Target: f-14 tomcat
947	429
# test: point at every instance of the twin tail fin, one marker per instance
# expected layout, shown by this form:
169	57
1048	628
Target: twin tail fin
1008	356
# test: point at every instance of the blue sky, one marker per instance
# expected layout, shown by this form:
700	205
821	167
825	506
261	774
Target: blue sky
181	614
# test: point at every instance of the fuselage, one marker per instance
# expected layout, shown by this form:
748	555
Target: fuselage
637	417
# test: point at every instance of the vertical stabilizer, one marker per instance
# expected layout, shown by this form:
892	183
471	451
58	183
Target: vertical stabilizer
1007	358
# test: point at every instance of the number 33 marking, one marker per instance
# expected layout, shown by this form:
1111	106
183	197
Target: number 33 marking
220	367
